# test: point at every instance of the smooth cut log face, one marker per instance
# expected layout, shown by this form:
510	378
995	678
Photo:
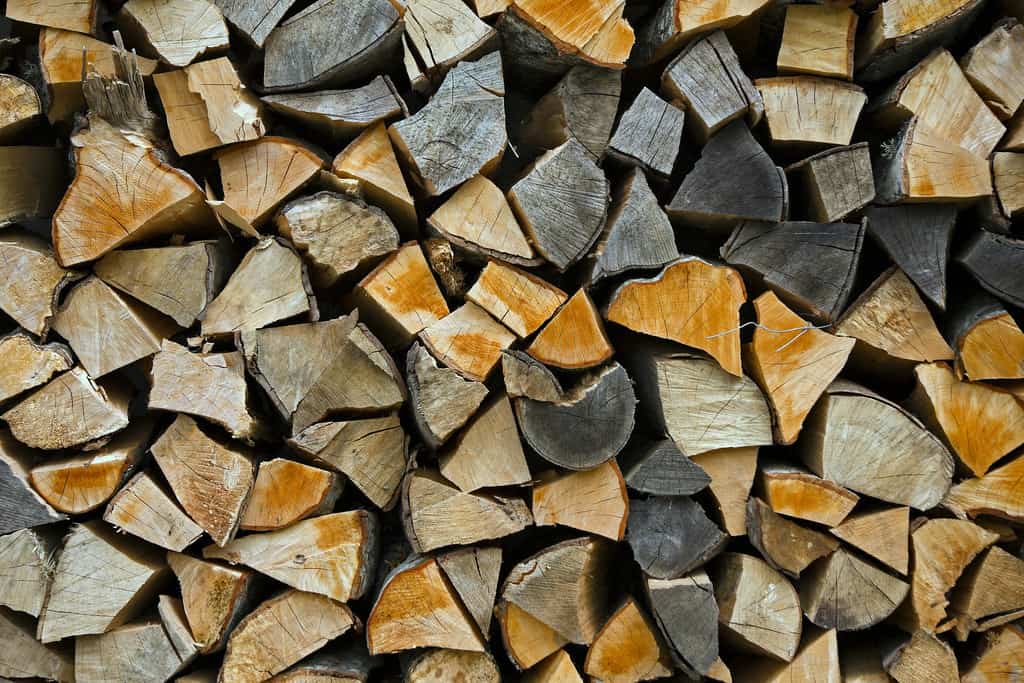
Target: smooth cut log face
817	659
488	452
818	40
22	108
214	598
443	33
1002	653
79	15
594	501
582	105
33	182
595	32
574	338
527	377
442	401
254	19
436	666
827	110
992	260
661	469
341	114
417	607
24	656
478	218
671	536
649	118
34	280
687	616
370	159
883	534
1008	175
917	239
519	300
286	491
994	494
142	508
177	31
783	543
924	657
691	301
988	66
141	651
28	364
838	181
991	586
795	493
25	569
468	340
628	648
678	20
526	639
473	573
846	593
732	473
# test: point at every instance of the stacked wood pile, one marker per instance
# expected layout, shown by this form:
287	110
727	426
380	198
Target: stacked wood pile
445	340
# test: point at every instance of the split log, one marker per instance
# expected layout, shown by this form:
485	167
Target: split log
370	159
286	491
527	640
562	203
784	544
26	558
215	598
582	105
732	473
137	652
435	666
846	593
443	33
989	591
1001	655
254	19
34	280
588	426
994	494
597	34
22	108
838	181
441	400
661	469
922	658
647	120
24	656
992	260
574	338
817	658
519	300
300	54
341	114
473	573
142	508
28	364
488	453
826	110
461	131
986	66
671	536
100	582
818	40
1008	176
346	663
593	501
557	668
175	31
524	376
628	648
767	252
883	534
793	492
469	341
77	16
676	21
33	180
175	623
1014	139
687	617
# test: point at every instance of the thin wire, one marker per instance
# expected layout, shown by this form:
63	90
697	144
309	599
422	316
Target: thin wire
803	329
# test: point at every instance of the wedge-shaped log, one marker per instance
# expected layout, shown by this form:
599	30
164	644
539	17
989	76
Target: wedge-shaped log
836	182
526	639
628	648
488	452
176	31
574	338
993	259
846	593
473	573
23	655
254	19
917	239
28	364
21	507
818	40
77	16
478	218
287	491
988	66
924	656
595	33
659	468
141	651
471	666
990	590
22	107
732	473
687	616
210	621
370	159
818	656
469	341
443	33
519	300
1008	177
442	401
671	536
34	280
26	570
528	377
593	501
994	494
648	135
883	534
794	492
341	114
582	105
142	508
676	21
826	110
1002	651
348	661
783	543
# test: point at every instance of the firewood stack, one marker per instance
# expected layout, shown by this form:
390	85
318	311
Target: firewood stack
484	340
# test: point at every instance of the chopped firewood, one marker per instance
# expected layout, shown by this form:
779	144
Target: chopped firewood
341	114
671	536
980	423
838	181
437	514
461	131
994	494
371	453
793	363
917	239
818	40
594	34
436	666
142	508
24	656
69	411
33	179
473	572
826	110
442	401
793	492
469	341
26	562
575	570
759	609
254	19
556	668
100	581
817	659
708	79
417	607
215	597
518	299
175	622
993	585
287	491
593	501
280	632
582	106
768	252
21	108
784	544
562	203
141	651
488	453
28	364
589	425
659	468
34	280
79	15
648	135
442	33
211	480
628	648
574	338
370	159
348	662
883	534
176	31
526	376
993	260
703	313
861	441
732	473
676	21
987	66
687	617
1008	176
924	657
527	640
1003	655
846	593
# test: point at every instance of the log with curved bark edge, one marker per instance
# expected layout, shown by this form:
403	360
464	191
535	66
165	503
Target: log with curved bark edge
333	555
286	491
827	110
28	364
254	19
141	650
582	105
783	543
990	591
759	610
142	508
671	536
341	114
417	607
628	648
442	401
987	66
993	260
26	568
526	639
994	494
214	597
525	376
442	33
33	179
648	119
1008	177
659	468
176	31
732	473
473	573
818	41
488	452
574	338
21	107
593	501
980	423
79	15
595	33
348	662
518	299
792	491
588	426
884	534
34	280
923	657
676	21
818	656
434	666
23	655
20	507
469	341
301	53
846	593
836	182
562	203
687	616
1003	651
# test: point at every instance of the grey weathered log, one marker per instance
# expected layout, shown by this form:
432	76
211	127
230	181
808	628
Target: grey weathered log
442	401
917	238
26	564
588	426
836	182
331	42
20	506
460	132
847	593
996	262
344	660
648	135
473	573
714	195
133	653
790	257
582	105
342	114
671	536
687	615
562	202
659	468
527	377
783	543
254	19
531	56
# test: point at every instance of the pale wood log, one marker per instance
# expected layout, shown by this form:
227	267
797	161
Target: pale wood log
488	8
992	259
442	401
687	616
254	19
648	135
883	534
574	338
628	648
214	597
469	341
793	492
135	653
1008	177
987	66
28	364
1002	655
671	536
488	452
556	668
342	114
582	105
24	656
142	508
21	107
517	299
818	40
436	666
826	110
443	33
101	580
676	21
27	558
847	593
34	280
595	33
285	492
69	411
994	494
838	181
526	639
79	15
525	376
345	663
923	657
1013	141
816	660
784	544
473	573
990	589
593	501
176	31
589	425
732	473
172	616
33	181
370	159
659	468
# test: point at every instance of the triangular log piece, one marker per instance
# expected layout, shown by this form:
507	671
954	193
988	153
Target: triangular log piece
582	105
69	411
175	623
431	665
917	239
22	107
826	110
817	658
469	341
332	555
676	21
574	338
443	33
370	159
417	607
846	593
1003	652
254	19
141	651
100	581
794	492
783	543
473	573
488	452
687	617
341	114
994	260
659	468
924	657
346	661
24	656
281	631
792	362
460	132
1008	176
526	376
142	508
79	16
628	648
838	181
34	280
987	66
28	364
519	300
526	639
26	568
759	610
732	473
562	202
994	585
1014	139
994	494
577	571
211	480
372	453
671	536
176	31
768	251
286	492
442	401
980	423
691	301
713	196
436	514
595	34
301	54
594	501
869	445
648	135
588	426
34	181
883	534
211	620
818	40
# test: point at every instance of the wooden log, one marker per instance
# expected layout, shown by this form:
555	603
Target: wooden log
1000	655
142	508
991	258
526	639
687	616
574	338
77	16
989	590
1014	139
784	544
442	401
469	341
992	494
434	666
473	573
818	40
24	656
1008	177
917	239
33	180
488	453
177	32
588	426
26	558
341	114
846	593
527	377
628	648
562	203
598	34
175	623
35	280
647	119
214	598
827	110
286	491
838	181
659	468
985	66
922	657
732	473
582	105
793	492
671	536
883	534
141	651
818	656
254	20
593	501
517	299
69	411
676	21
347	663
443	33
28	364
22	107
370	159
557	668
